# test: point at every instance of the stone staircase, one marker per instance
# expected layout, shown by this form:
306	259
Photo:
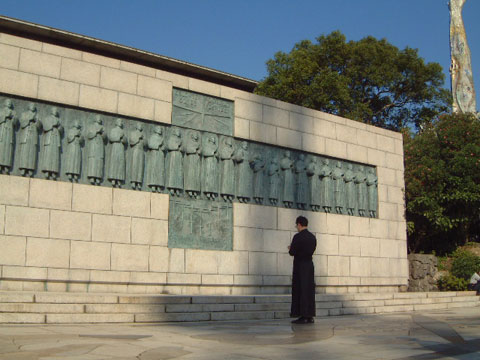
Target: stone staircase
75	308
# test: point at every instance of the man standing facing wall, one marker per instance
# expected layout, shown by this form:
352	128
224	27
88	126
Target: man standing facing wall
303	280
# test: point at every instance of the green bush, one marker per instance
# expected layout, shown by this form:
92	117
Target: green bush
464	264
442	263
452	283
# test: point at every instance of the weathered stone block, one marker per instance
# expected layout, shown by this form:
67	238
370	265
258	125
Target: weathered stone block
68	274
204	87
300	122
247	280
22	272
20	42
131	203
377	158
70	225
367	138
349	245
64	92
262	263
233	262
250	239
163	112
263	132
27	221
109	276
16	318
137	106
195	279
48	253
360	266
149	231
160	258
386	176
138	69
337	224
241	128
313	143
248	110
369	247
178	81
18	83
80	72
398	146
90	255
321	265
159	204
13	250
276	241
2	219
346	134
388	248
394	161
359	226
336	148
83	195
14	190
379	228
338	266
275	116
118	80
388	211
380	267
285	264
35	62
286	219
217	280
110	228
263	217
130	257
317	222
357	153
324	128
61	51
385	143
148	278
50	194
327	244
201	261
395	195
289	138
9	56
98	99
151	87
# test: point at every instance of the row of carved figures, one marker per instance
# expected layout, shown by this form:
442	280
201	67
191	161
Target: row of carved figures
184	162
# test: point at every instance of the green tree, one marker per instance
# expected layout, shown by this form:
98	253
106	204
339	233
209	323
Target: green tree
368	80
442	184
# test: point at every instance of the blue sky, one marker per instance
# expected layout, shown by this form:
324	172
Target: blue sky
240	36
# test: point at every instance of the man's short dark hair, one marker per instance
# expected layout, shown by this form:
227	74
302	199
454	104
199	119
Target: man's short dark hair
302	220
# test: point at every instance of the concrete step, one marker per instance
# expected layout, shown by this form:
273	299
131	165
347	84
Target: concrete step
62	308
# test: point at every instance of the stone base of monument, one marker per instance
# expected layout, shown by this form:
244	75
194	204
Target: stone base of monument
57	308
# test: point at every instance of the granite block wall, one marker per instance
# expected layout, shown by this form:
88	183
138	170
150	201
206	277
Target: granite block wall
70	237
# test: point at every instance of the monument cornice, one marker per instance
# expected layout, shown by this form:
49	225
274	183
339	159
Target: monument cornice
122	52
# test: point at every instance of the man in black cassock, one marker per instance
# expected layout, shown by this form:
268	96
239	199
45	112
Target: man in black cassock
303	281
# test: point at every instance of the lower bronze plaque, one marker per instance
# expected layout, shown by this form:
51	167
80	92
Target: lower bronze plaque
200	224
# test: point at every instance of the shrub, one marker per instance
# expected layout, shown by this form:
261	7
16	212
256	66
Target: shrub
464	264
452	283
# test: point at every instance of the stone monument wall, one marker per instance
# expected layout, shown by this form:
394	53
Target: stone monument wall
58	235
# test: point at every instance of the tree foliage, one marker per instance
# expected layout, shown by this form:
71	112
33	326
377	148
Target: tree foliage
442	183
368	80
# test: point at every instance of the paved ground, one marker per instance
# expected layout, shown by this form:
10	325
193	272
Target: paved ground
446	334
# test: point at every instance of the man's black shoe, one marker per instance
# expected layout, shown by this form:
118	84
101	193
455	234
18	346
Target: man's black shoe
310	320
300	320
